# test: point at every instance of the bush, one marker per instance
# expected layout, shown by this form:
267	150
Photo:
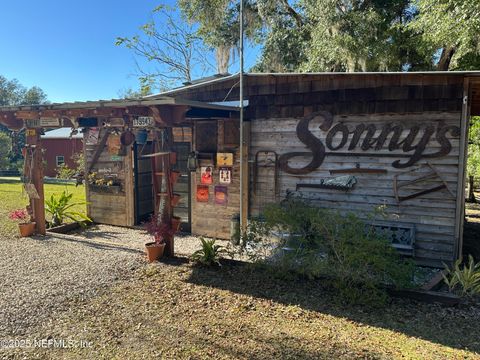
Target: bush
463	280
320	243
209	254
60	209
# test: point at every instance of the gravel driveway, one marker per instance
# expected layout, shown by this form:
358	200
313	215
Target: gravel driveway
42	276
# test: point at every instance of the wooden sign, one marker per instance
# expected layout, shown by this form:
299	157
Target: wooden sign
92	136
32	123
49	122
365	137
31	132
143	121
224	159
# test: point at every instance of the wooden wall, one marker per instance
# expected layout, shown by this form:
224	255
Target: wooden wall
109	208
277	103
208	218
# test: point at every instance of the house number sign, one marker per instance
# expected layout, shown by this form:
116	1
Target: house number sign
143	121
413	146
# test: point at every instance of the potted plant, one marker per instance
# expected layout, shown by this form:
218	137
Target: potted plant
161	233
25	225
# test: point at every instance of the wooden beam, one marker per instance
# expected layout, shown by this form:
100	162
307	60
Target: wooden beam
9	120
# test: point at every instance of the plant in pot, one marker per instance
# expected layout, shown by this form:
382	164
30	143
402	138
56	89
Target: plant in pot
161	233
25	225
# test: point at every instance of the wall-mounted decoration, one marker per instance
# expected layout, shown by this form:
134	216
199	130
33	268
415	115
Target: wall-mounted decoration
49	122
114	144
92	136
32	123
345	182
221	195
31	132
87	122
202	193
225	175
127	138
338	142
192	162
143	121
425	176
224	159
116	158
206	175
114	122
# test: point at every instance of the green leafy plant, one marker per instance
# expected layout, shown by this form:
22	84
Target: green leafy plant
339	248
463	280
60	209
209	254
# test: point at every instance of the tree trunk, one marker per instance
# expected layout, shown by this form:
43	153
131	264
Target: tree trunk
471	194
445	58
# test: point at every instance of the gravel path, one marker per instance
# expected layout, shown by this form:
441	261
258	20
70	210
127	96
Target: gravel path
41	276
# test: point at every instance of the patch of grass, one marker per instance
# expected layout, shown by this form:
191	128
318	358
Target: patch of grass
175	310
12	197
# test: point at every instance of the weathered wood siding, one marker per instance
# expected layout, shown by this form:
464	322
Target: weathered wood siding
438	103
106	208
208	218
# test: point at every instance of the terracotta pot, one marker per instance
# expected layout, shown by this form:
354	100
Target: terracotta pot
174	175
173	158
176	222
175	199
26	229
154	251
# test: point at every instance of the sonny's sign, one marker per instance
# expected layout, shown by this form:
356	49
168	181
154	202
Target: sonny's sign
413	145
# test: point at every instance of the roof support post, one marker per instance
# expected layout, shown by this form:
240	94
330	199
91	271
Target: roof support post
37	205
243	161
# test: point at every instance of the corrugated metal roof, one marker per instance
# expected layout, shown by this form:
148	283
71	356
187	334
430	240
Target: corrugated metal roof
61	133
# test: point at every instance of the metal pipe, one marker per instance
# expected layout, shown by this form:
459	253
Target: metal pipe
242	220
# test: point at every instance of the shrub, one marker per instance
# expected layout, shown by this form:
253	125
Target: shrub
321	243
209	254
60	209
463	280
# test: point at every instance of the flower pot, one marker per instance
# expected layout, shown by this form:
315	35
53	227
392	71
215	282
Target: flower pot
26	229
174	175
154	251
176	222
175	199
141	136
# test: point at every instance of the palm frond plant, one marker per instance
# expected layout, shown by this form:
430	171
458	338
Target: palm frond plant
60	208
463	280
209	254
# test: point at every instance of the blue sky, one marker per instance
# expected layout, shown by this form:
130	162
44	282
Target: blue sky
68	47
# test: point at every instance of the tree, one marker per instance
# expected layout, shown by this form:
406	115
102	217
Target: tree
173	48
449	30
473	159
5	145
13	93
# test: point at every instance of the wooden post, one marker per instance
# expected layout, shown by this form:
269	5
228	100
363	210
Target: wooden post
462	170
38	205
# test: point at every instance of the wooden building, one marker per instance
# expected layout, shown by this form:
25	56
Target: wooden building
60	148
347	141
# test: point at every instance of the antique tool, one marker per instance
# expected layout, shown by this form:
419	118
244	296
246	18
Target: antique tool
345	182
358	170
431	175
267	159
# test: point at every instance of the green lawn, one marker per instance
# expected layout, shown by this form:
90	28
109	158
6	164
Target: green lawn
12	197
